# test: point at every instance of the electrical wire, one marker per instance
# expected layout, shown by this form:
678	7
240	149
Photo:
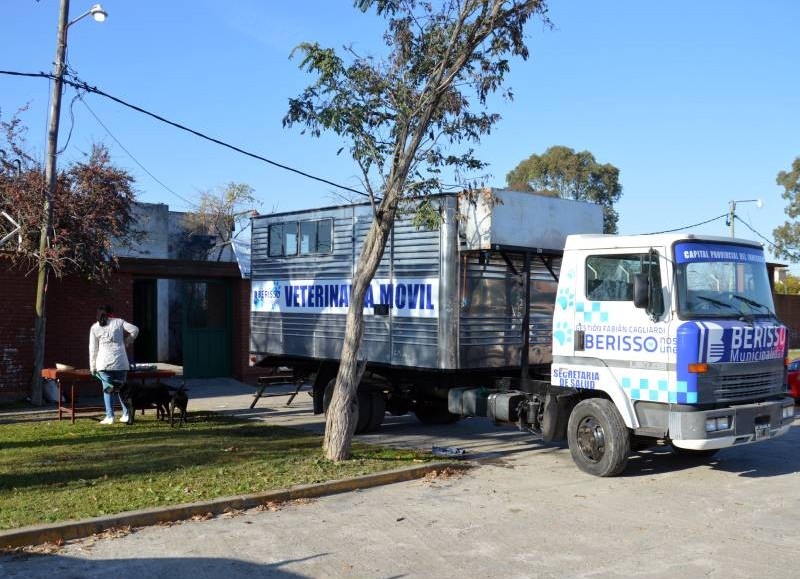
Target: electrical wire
135	160
79	84
776	250
84	86
687	226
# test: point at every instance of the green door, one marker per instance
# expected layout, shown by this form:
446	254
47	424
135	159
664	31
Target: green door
206	329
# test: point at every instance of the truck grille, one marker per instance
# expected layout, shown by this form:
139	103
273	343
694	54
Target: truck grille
731	382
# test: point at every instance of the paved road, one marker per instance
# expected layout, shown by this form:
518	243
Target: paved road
526	511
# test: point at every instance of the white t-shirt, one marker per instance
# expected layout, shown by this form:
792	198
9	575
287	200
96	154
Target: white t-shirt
107	345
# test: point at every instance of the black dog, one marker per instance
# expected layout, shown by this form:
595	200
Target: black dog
178	401
143	396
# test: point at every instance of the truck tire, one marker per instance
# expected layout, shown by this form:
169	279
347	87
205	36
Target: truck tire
598	438
371	408
377	410
434	411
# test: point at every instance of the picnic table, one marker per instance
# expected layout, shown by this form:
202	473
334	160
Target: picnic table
68	379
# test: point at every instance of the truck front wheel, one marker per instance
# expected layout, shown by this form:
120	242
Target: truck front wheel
598	438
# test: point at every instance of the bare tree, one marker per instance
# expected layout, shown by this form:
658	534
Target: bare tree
400	117
223	215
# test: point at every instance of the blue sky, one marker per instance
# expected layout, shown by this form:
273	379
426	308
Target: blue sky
695	102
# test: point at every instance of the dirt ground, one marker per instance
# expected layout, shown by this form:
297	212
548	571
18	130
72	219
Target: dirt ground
524	511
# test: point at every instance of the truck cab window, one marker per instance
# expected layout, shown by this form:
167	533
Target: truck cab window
610	277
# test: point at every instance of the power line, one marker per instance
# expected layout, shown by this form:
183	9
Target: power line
776	250
82	85
135	160
688	226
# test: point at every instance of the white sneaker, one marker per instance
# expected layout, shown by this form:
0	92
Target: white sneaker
107	420
124	418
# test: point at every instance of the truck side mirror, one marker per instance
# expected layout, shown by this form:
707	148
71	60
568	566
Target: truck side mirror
641	290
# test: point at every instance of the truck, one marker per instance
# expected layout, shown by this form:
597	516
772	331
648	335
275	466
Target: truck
515	307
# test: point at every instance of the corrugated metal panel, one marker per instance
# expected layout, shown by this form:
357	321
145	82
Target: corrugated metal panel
493	306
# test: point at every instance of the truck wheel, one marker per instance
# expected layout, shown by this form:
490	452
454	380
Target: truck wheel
377	410
371	408
693	453
434	411
598	438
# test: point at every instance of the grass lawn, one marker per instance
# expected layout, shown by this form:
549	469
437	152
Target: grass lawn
55	471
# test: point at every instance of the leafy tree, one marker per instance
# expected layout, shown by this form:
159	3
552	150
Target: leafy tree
223	215
789	285
561	172
405	119
91	212
787	236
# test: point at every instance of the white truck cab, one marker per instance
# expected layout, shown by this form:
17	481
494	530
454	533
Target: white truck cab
679	333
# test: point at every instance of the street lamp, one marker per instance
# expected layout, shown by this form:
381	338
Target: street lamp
732	210
50	175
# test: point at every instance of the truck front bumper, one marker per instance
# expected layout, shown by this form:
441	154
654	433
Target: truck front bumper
746	423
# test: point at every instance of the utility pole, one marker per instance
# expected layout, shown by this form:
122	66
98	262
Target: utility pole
50	176
51	180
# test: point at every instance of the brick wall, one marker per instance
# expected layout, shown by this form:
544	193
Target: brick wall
17	294
241	333
71	307
788	309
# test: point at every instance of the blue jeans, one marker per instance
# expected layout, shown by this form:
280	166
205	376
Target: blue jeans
106	376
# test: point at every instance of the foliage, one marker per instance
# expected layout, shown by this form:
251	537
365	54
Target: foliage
91	207
787	236
561	172
789	285
407	119
55	470
223	215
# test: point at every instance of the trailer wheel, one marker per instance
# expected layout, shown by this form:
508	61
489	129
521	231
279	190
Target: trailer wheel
598	438
693	453
377	410
371	407
434	411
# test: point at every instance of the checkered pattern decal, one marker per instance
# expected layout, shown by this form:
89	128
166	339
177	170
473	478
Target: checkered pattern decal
594	313
659	390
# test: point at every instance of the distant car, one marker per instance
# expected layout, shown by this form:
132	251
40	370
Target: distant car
793	378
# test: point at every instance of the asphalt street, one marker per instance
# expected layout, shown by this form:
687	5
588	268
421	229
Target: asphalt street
525	510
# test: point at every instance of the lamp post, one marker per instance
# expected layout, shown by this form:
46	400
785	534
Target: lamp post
50	176
732	211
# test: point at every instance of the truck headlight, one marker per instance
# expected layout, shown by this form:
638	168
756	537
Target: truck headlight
718	423
788	412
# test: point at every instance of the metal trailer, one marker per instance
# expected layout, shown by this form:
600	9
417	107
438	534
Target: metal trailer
469	303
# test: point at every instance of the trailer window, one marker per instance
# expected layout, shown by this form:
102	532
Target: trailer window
314	237
610	277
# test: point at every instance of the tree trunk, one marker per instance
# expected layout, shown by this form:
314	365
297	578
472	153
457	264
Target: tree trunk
340	423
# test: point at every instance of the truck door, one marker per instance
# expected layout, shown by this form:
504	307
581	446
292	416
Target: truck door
623	349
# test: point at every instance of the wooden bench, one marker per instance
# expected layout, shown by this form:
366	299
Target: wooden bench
278	378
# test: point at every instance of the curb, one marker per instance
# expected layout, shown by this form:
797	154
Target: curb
56	532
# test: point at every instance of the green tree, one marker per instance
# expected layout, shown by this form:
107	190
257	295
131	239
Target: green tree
406	118
561	172
224	215
789	285
787	236
91	213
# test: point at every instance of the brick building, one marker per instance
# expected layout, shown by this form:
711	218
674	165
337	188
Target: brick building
190	312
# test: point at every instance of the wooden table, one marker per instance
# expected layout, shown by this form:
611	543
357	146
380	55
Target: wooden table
70	378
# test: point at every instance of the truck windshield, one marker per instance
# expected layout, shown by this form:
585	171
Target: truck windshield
719	280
